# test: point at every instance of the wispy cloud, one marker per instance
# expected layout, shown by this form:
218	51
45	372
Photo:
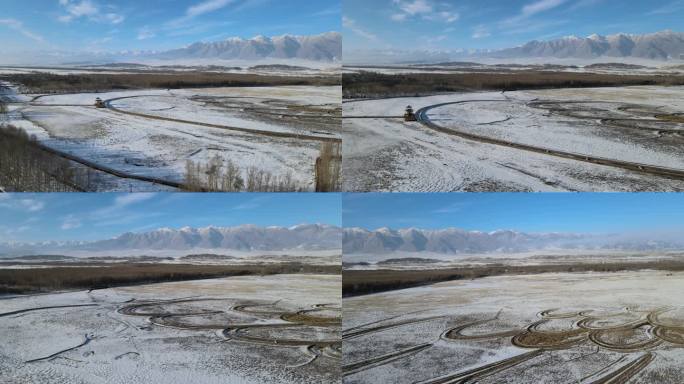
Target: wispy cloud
671	7
424	9
529	10
252	203
76	9
351	25
453	207
121	202
145	33
22	204
206	7
481	32
19	27
70	222
331	11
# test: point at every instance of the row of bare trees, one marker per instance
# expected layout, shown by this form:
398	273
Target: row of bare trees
219	176
26	167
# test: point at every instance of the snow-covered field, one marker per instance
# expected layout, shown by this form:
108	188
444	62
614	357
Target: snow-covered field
565	328
275	329
151	146
384	153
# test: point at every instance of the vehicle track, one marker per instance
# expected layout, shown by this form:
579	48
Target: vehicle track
627	371
423	118
366	331
87	340
474	374
353	368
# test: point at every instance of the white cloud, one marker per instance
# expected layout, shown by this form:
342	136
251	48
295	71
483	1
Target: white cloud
436	39
76	9
671	7
24	204
351	25
425	9
521	22
145	33
414	7
70	222
32	205
481	32
132	198
19	27
206	7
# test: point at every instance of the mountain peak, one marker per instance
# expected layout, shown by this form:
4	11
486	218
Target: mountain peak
322	47
663	45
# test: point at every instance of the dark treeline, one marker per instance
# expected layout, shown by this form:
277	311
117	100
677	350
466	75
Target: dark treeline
373	85
361	282
18	281
26	167
52	83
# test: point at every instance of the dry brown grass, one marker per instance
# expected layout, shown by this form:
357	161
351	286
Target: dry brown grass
360	282
95	276
369	84
51	83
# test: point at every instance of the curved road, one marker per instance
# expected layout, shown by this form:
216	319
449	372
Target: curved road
422	115
288	135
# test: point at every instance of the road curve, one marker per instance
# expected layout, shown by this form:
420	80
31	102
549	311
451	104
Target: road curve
287	135
422	115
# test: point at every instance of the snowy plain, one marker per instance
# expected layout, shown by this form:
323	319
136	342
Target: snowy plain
173	333
384	153
565	327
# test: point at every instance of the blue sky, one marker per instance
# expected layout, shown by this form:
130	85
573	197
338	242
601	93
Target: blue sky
108	25
41	217
526	212
492	24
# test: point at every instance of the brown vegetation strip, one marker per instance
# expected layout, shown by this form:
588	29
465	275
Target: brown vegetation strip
374	85
362	282
52	83
96	276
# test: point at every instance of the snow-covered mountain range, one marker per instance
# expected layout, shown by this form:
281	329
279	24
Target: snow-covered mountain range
323	47
652	48
310	50
457	241
665	45
244	238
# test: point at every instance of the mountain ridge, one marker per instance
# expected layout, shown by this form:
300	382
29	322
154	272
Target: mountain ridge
306	237
455	241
